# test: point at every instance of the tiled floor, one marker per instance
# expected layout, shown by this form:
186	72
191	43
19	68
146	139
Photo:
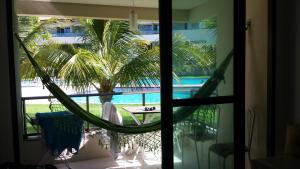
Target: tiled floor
133	161
92	155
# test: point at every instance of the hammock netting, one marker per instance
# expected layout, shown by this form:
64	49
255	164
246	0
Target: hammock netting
180	114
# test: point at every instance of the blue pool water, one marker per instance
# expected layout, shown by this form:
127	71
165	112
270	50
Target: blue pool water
190	81
150	98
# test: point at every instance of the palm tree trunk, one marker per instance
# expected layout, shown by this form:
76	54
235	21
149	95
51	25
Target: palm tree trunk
105	96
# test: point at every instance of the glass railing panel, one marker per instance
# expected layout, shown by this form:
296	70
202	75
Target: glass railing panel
201	138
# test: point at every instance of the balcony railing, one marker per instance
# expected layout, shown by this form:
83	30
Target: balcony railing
31	128
67	34
149	32
29	121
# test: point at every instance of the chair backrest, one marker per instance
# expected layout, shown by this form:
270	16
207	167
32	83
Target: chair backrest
110	113
250	121
206	121
292	142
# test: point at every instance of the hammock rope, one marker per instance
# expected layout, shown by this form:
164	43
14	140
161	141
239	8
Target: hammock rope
205	91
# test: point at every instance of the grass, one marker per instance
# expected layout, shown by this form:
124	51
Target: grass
32	109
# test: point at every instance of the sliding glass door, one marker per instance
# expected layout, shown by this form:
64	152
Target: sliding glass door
202	83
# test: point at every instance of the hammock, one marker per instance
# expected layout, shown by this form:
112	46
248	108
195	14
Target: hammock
205	91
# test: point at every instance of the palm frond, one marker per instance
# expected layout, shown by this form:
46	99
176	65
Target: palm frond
38	31
92	37
98	27
188	56
78	71
115	36
37	34
141	71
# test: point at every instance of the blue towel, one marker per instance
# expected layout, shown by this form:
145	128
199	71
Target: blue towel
61	130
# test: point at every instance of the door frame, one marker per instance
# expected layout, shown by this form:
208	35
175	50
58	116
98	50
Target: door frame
271	78
9	9
238	98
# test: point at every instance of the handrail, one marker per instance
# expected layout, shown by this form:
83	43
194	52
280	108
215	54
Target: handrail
88	95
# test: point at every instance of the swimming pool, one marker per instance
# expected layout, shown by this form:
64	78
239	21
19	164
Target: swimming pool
151	98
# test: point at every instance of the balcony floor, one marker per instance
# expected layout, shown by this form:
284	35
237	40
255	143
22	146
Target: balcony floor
134	161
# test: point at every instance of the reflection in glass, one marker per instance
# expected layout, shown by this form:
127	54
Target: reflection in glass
202	38
196	136
194	56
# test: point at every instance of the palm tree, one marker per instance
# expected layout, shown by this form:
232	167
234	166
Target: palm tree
190	57
111	55
32	31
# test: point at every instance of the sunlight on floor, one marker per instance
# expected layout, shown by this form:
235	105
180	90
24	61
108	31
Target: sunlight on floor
134	161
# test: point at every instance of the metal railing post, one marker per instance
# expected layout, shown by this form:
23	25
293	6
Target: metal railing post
144	99
24	117
192	93
87	109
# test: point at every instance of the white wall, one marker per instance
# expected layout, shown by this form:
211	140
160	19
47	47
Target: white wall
256	71
287	85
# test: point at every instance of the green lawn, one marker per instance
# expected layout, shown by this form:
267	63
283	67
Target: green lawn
32	109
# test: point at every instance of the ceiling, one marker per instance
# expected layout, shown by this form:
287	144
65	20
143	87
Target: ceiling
186	4
136	3
177	4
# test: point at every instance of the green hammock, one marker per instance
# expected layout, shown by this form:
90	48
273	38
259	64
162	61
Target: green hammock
205	91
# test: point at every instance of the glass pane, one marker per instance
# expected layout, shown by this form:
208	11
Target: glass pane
202	38
201	138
